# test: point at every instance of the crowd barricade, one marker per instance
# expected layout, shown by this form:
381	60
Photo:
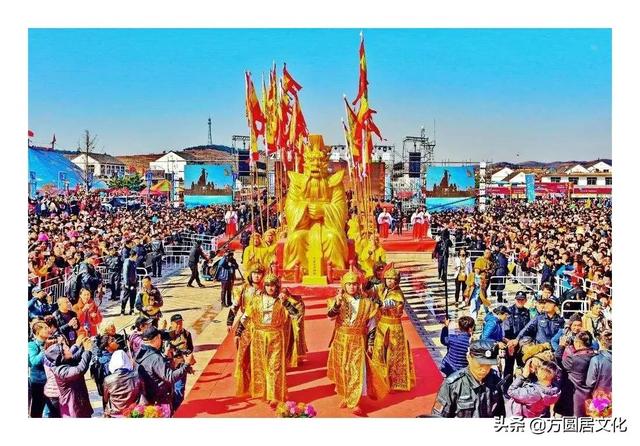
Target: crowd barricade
509	286
566	311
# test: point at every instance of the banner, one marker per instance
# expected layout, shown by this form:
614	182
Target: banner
530	182
208	184
450	187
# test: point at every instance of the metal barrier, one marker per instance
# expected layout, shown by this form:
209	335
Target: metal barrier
567	312
509	286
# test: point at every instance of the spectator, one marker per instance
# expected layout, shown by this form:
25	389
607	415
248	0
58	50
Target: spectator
37	376
226	274
122	387
129	283
41	304
576	365
594	321
180	345
457	345
599	372
462	271
149	301
88	313
135	338
67	320
155	370
533	399
157	251
69	371
492	330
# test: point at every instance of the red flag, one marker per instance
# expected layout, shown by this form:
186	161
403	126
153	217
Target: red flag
372	127
254	116
31	134
362	86
355	132
289	84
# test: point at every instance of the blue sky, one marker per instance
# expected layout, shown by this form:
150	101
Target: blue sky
495	94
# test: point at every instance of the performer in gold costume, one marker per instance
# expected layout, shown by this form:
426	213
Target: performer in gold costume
267	314
254	252
316	211
242	297
370	253
391	349
269	245
349	365
353	231
295	337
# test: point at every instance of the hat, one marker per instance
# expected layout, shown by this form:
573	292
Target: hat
36	289
485	352
255	267
521	295
502	309
271	279
176	318
142	320
391	273
552	299
350	277
55	354
150	333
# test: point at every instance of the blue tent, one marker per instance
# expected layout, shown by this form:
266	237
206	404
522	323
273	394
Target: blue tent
47	166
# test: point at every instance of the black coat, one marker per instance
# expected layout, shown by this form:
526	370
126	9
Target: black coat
195	254
157	376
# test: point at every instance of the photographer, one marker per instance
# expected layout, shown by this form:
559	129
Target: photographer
66	319
180	344
576	365
156	372
226	275
149	301
41	304
69	370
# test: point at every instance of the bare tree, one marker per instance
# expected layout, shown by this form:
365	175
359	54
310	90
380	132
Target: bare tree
87	145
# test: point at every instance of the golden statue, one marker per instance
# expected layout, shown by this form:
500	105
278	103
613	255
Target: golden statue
316	212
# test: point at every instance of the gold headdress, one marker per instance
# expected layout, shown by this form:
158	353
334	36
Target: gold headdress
271	279
350	277
391	273
316	150
255	267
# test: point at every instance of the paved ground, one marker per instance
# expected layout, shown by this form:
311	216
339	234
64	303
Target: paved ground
200	309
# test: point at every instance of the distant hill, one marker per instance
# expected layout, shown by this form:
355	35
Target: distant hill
539	165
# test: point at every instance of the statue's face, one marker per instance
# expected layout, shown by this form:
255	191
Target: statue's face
316	165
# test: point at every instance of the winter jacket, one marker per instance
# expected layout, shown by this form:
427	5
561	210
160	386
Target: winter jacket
492	330
517	320
89	277
195	254
74	396
129	275
89	319
457	348
157	376
36	362
226	270
39	309
576	366
530	400
599	372
542	328
135	343
51	389
121	389
63	319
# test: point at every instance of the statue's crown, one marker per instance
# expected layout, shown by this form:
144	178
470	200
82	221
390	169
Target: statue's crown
316	148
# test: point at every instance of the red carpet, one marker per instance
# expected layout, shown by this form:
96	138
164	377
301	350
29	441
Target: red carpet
395	243
213	393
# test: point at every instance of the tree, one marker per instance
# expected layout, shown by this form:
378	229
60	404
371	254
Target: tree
133	182
87	145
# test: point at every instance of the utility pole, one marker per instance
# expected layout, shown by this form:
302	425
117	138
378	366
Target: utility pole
210	138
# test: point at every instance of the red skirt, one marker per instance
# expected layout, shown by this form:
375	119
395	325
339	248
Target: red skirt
232	228
418	229
384	230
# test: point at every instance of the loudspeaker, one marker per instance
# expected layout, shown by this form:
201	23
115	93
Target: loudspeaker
414	164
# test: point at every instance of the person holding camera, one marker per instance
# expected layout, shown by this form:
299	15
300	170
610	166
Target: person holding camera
155	370
69	366
66	319
577	365
129	282
226	275
149	301
180	344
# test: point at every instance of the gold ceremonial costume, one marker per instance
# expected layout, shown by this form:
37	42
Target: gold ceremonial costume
348	365
267	351
295	339
316	211
390	348
242	297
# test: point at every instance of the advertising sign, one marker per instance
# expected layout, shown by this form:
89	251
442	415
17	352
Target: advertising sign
208	184
450	187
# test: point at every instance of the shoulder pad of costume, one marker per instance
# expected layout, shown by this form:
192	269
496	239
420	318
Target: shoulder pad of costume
336	178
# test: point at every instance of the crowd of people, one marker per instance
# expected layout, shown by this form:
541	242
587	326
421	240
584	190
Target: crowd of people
526	359
523	358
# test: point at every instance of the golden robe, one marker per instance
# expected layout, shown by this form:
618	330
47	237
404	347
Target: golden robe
294	333
267	351
242	297
348	365
353	231
368	255
322	233
390	348
253	253
268	254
